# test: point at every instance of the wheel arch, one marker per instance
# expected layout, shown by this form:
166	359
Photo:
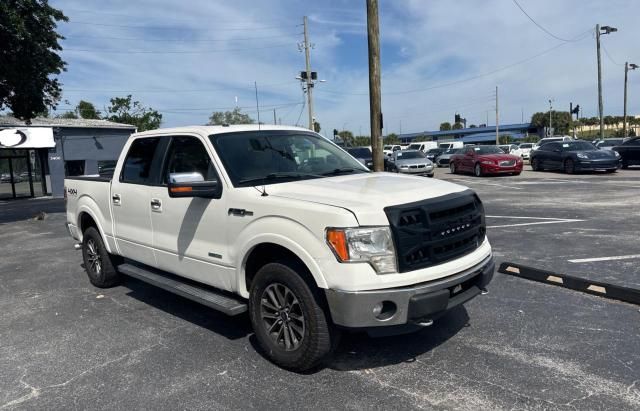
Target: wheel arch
88	218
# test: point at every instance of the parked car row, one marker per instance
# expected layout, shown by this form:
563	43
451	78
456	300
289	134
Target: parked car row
550	153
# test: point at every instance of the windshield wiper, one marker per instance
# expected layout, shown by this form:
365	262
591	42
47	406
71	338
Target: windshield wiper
279	176
339	171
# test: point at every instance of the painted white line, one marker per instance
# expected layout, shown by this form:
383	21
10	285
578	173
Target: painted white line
531	218
535	223
617	257
486	184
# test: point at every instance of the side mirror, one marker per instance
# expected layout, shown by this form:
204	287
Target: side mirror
193	185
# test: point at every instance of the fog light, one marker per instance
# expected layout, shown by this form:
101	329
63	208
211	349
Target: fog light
384	310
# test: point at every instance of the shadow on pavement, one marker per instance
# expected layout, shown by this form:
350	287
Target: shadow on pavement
18	210
359	351
232	328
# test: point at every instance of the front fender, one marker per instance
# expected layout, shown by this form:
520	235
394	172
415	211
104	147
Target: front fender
280	231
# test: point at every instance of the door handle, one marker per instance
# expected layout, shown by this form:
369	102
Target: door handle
156	204
116	199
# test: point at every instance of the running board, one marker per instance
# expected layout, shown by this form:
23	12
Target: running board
200	294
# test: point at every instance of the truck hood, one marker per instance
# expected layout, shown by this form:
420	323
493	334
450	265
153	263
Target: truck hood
365	195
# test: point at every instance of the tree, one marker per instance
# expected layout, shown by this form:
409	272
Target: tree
87	110
423	138
505	138
391	138
68	114
473	126
457	126
347	137
235	116
29	59
123	110
562	121
446	126
316	126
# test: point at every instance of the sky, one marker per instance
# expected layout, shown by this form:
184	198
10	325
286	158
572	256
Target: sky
438	57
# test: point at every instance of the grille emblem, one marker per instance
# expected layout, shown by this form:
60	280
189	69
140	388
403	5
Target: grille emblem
455	229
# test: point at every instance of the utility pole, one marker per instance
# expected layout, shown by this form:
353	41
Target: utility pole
309	81
550	108
607	30
497	120
274	116
375	98
627	66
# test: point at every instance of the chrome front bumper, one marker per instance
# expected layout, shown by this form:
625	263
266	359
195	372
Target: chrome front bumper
416	304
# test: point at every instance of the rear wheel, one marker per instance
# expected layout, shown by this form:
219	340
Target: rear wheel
477	170
625	165
288	318
98	263
569	166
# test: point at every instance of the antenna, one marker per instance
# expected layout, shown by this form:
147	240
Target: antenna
255	83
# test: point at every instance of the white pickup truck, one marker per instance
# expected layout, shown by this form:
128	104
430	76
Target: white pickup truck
282	223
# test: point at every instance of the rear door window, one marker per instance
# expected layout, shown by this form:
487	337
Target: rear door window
137	166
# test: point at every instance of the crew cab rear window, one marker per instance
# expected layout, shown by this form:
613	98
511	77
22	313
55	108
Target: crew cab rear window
137	166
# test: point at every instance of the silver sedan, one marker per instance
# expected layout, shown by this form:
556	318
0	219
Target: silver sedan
412	162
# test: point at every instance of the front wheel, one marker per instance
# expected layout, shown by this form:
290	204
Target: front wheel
287	316
535	165
477	170
452	168
569	166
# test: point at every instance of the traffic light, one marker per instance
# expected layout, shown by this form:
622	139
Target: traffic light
335	132
576	110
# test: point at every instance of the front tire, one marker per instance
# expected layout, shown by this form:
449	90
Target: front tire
569	166
452	168
98	263
535	165
288	318
477	170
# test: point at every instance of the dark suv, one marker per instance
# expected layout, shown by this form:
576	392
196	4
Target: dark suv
629	150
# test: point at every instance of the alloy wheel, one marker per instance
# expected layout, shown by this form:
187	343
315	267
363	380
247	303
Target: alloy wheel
93	255
282	316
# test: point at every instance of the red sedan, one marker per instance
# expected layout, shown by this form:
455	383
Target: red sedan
484	160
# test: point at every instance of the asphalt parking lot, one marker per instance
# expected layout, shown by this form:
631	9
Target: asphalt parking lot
67	345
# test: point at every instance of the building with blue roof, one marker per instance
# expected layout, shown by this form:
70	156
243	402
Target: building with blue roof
475	134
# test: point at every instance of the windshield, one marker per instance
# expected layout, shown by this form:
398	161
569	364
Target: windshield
360	152
527	145
269	157
414	146
577	146
409	155
488	150
453	150
434	151
609	143
388	147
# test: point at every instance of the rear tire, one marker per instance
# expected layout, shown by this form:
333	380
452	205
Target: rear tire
98	263
288	318
625	165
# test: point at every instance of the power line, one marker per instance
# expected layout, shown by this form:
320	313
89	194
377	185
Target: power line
74	90
457	81
182	40
544	29
609	56
114	51
146	27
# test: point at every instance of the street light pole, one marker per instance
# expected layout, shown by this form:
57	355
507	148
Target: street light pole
550	108
627	66
605	30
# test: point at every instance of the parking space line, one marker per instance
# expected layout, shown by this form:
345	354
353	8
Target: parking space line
485	183
534	223
617	257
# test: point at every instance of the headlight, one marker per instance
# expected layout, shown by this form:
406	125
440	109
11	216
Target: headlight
616	154
582	155
404	166
487	162
372	244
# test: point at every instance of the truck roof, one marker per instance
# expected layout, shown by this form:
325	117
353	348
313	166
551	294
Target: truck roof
208	130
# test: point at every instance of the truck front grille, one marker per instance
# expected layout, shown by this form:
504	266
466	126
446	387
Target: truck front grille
434	231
